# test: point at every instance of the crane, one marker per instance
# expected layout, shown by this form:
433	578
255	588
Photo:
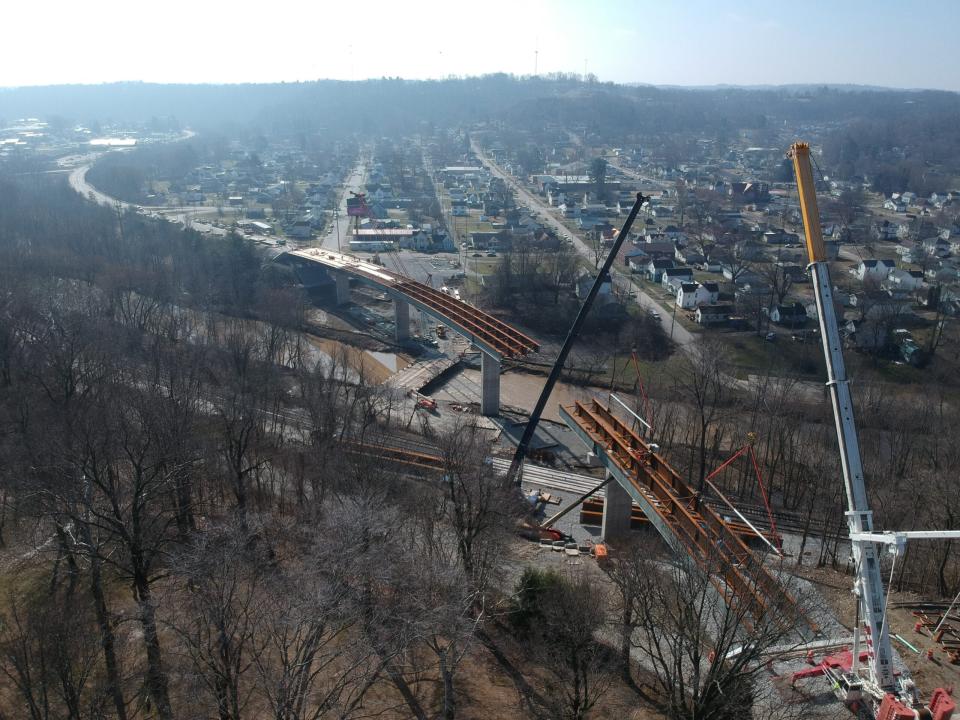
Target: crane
876	690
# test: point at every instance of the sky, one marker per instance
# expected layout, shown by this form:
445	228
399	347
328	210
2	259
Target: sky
662	42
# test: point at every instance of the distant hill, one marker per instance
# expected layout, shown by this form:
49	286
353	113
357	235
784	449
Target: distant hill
388	106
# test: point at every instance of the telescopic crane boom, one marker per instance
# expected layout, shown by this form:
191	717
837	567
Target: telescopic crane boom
894	692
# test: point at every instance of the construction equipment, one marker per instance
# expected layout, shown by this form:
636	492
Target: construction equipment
885	693
513	474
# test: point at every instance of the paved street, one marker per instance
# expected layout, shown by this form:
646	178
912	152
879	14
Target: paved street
544	214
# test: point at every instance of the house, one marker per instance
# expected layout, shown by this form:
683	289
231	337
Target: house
792	316
484	240
904	280
896	206
585	282
714	314
674	234
780	237
866	334
636	260
749	192
909	251
872	269
687	295
679	274
659	249
691	295
688	257
741	276
890	231
656	267
936	246
300	230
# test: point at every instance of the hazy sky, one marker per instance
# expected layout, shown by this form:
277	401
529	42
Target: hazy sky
684	42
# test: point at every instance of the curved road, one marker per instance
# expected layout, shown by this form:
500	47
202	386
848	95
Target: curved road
681	335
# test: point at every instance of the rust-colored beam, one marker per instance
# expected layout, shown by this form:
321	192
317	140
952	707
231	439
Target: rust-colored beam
703	533
401	456
487	329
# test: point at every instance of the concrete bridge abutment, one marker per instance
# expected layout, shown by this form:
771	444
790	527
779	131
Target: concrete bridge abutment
401	314
489	385
617	509
343	287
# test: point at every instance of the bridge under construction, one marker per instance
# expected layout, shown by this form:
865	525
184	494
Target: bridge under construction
495	339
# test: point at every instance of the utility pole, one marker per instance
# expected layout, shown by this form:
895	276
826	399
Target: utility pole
336	222
673	321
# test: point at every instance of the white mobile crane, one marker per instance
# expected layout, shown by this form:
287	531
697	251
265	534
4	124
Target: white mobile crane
877	690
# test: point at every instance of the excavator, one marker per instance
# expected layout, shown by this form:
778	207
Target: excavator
870	684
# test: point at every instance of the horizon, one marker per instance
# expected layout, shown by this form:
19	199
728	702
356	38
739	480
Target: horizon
692	45
544	76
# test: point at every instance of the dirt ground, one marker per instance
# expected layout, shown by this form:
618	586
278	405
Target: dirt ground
836	586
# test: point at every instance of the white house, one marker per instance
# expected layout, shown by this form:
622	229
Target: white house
691	295
904	280
872	269
675	274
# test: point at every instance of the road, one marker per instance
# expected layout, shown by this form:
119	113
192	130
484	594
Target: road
339	233
544	214
183	215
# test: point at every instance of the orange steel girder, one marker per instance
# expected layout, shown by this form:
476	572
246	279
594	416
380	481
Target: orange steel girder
703	534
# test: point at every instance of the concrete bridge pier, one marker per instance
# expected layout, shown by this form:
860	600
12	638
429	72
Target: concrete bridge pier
343	287
617	508
401	314
489	385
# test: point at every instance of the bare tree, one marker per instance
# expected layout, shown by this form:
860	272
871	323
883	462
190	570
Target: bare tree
48	653
216	618
703	381
561	618
696	655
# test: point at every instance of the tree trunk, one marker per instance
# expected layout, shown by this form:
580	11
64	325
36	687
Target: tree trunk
626	635
446	673
107	641
156	677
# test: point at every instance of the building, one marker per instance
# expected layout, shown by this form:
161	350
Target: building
791	316
872	269
715	314
692	295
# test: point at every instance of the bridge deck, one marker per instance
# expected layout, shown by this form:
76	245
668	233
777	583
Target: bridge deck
474	323
689	525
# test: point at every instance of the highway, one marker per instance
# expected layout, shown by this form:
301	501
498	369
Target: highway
622	280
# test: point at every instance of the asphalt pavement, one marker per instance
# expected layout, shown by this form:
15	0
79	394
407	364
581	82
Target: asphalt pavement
544	214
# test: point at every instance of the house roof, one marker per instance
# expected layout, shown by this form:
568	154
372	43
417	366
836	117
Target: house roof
689	287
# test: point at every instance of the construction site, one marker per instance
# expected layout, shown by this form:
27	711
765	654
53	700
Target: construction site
626	488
